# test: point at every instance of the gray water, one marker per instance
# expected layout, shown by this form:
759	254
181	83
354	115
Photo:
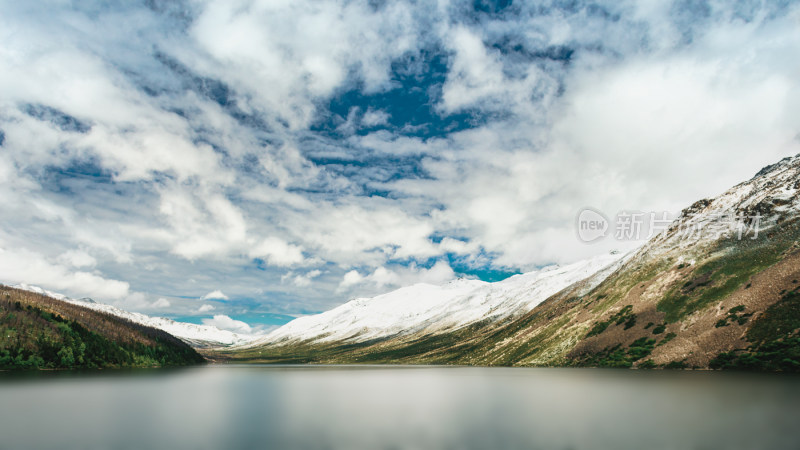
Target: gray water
269	407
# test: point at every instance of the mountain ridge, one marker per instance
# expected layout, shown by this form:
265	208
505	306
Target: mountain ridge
198	336
41	332
689	297
430	309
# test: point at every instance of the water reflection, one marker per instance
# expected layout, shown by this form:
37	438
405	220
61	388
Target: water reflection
398	408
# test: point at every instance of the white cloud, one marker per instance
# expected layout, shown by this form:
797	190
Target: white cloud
374	117
205	308
350	278
368	231
77	259
23	266
457	246
303	280
224	322
215	295
383	278
161	303
476	75
203	223
278	252
301	50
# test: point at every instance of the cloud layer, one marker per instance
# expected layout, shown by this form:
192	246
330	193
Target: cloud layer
295	154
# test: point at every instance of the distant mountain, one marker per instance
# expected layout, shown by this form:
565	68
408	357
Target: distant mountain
717	289
198	336
414	314
41	332
425	308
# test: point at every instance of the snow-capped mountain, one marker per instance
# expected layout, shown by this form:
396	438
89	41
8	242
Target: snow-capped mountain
198	336
697	295
750	207
429	309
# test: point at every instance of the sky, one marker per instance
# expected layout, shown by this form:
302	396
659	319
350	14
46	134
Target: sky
243	162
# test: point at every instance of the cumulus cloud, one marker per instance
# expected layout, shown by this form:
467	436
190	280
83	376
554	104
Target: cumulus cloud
350	278
206	308
204	225
215	295
23	266
301	50
302	280
382	278
477	78
278	252
375	117
77	258
224	322
161	303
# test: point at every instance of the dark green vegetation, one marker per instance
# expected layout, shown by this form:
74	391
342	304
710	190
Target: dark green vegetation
624	316
734	317
667	337
619	355
39	332
774	338
676	364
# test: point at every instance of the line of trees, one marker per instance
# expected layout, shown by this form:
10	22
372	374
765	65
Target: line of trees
40	332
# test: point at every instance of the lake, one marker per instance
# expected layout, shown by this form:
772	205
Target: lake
368	407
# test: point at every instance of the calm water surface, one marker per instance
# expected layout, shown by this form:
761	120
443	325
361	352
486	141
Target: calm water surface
301	407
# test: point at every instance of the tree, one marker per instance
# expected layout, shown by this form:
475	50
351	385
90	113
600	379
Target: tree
67	359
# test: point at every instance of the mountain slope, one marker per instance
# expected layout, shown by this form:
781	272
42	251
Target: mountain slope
198	336
425	308
706	292
41	332
366	329
698	295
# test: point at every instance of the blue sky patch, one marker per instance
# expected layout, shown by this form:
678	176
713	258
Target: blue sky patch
411	101
56	117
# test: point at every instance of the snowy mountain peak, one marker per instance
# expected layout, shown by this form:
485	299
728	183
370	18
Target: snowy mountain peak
749	208
772	192
426	308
